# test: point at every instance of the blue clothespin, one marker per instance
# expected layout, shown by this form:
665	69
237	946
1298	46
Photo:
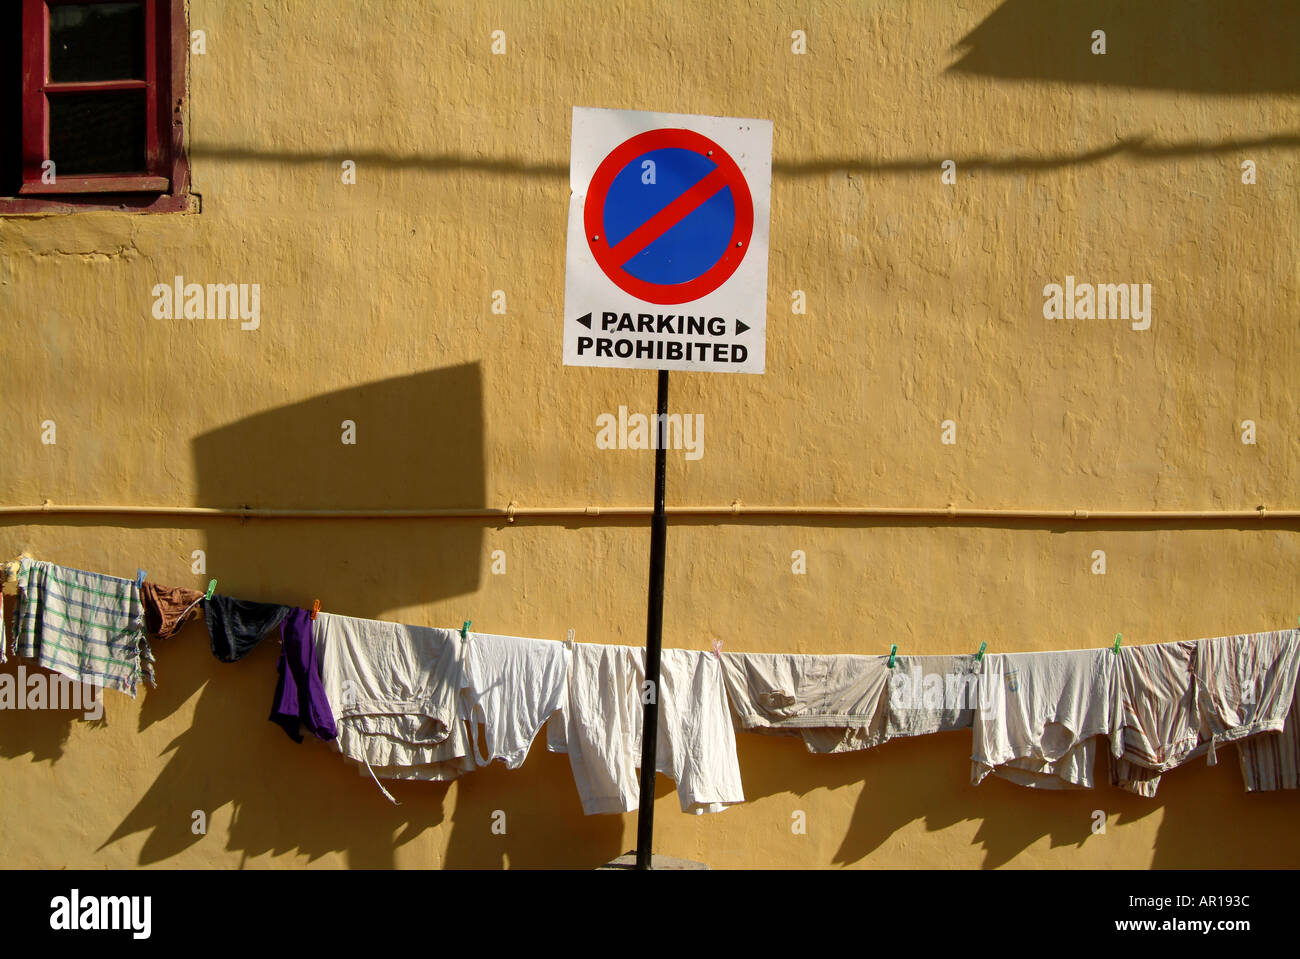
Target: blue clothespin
1115	649
212	588
464	630
980	654
893	650
139	578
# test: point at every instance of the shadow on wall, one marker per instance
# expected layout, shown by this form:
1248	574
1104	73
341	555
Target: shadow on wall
1136	147
1200	46
926	780
1222	47
419	443
45	732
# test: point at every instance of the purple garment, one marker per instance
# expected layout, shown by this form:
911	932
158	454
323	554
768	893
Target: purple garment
299	695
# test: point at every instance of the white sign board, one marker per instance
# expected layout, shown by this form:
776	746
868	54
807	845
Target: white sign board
666	264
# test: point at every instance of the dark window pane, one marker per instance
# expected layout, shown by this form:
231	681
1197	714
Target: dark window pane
97	132
97	41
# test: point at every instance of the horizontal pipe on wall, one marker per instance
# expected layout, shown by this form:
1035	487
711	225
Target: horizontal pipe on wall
512	512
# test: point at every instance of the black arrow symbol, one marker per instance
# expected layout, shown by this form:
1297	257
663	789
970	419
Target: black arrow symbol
741	327
585	320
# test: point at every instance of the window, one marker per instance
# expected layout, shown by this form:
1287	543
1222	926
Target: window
98	117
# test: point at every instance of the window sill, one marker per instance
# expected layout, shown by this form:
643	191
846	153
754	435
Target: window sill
131	183
101	202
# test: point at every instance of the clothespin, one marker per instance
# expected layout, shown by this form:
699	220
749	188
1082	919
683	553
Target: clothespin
315	608
464	630
717	650
212	588
893	651
1115	649
568	640
980	654
139	578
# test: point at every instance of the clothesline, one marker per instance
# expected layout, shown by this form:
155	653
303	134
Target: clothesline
406	702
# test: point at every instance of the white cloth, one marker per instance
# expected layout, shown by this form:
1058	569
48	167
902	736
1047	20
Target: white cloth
393	690
1040	715
841	703
933	694
556	740
837	703
511	685
603	717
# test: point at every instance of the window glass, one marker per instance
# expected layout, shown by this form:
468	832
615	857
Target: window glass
97	132
96	41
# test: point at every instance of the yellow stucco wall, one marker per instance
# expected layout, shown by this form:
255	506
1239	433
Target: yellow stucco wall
924	304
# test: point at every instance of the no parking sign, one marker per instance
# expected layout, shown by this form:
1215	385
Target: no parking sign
666	264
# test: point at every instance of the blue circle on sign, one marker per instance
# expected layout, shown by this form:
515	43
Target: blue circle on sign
696	242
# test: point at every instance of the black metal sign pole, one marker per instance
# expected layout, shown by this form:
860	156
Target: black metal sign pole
654	628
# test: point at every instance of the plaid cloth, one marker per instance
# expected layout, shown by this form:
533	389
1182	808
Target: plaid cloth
86	626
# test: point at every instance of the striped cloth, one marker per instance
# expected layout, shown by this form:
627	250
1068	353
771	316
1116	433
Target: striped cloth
86	626
1271	761
1182	700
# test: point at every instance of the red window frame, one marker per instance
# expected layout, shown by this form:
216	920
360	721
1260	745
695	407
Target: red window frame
164	184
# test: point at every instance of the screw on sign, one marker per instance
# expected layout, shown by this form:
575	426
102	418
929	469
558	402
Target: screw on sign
668	216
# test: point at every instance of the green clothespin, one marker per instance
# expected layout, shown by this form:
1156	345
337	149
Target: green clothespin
980	654
1115	649
893	649
212	588
464	630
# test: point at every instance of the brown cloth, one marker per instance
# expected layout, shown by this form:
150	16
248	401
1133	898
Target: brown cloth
164	606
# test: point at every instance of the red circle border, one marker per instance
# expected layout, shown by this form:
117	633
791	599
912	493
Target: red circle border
594	217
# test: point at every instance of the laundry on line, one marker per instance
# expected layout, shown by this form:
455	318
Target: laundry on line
405	702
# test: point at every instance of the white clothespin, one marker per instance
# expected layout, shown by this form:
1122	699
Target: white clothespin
568	640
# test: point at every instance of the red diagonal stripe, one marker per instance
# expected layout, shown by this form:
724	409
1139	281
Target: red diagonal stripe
663	221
